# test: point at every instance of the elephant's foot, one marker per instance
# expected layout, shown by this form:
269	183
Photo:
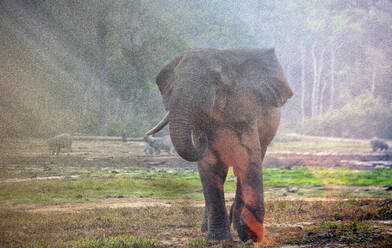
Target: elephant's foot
204	227
220	232
246	233
219	235
247	225
235	212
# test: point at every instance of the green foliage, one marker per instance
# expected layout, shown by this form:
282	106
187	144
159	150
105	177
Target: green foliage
364	117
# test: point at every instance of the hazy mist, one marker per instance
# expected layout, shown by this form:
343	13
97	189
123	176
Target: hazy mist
89	66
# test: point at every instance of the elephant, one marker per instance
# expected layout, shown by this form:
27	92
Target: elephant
149	150
378	144
60	141
156	144
223	109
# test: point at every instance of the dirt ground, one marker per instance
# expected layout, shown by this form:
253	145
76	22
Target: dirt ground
21	155
32	151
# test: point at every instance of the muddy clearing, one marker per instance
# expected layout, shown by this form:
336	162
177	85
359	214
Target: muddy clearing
20	154
292	219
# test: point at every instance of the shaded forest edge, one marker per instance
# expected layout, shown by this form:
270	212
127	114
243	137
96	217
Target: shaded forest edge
89	67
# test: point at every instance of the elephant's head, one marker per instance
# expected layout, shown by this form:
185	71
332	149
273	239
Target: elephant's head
189	86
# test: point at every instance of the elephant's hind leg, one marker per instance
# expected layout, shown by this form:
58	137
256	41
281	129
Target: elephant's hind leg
216	221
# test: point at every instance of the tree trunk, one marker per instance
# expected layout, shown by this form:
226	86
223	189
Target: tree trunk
374	74
323	89
103	88
88	87
103	110
313	99
117	109
122	109
318	64
303	84
129	111
319	85
84	102
332	79
333	50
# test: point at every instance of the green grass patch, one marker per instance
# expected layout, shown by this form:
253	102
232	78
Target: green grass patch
114	242
93	189
378	177
310	177
177	185
301	177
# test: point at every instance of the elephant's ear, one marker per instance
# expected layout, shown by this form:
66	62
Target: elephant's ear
262	73
165	80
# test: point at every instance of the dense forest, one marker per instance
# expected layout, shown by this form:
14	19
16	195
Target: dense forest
89	66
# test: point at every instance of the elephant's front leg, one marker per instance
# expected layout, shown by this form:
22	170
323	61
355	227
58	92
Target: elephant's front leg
213	175
247	212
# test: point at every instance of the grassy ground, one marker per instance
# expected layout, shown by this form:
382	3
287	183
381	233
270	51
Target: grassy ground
87	199
185	185
288	222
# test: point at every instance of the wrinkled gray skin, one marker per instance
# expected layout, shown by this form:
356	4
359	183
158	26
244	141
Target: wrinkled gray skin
60	141
156	144
378	144
223	111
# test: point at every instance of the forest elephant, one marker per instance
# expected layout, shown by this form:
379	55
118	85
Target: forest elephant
223	109
156	144
60	141
378	144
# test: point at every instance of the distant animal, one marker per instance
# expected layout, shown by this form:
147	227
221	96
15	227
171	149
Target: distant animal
124	135
378	144
292	190
149	150
159	143
60	141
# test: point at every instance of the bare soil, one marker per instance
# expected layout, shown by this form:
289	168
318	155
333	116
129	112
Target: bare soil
14	153
357	160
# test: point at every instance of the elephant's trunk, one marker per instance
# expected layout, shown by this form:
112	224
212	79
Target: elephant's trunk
181	133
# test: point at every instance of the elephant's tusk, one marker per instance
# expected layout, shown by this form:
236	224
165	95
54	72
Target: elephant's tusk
160	125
